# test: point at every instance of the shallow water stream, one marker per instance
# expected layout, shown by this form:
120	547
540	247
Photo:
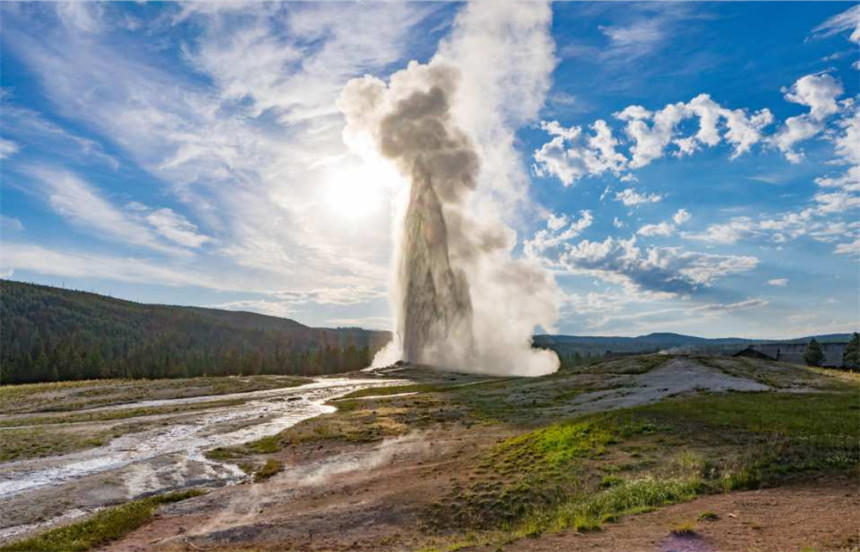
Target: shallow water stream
170	456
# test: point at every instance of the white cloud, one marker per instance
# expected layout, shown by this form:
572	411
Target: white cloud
731	307
618	223
666	228
252	161
778	282
630	197
667	270
661	229
285	303
818	92
572	154
85	17
10	224
849	20
83	206
176	228
8	148
29	128
847	149
725	233
682	216
559	230
849	248
82	264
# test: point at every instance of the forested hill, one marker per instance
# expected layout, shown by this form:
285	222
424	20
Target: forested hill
50	334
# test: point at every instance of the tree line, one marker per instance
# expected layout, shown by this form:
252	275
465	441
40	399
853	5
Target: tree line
52	334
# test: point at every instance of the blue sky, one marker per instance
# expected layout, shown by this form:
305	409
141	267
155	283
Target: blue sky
685	167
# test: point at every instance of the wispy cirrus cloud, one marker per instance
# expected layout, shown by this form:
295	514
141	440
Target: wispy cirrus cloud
83	206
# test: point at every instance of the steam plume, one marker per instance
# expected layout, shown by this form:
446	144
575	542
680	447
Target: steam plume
460	299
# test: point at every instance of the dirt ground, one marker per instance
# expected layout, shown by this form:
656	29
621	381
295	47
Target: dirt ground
821	516
330	497
337	497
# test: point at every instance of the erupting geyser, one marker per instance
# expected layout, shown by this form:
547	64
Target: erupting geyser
436	309
460	299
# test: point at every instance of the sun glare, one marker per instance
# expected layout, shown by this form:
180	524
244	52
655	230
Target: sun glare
359	191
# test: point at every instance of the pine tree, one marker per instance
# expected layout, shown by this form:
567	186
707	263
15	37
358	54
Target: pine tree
851	359
813	356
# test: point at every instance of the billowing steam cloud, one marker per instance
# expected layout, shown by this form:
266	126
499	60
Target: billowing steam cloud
460	299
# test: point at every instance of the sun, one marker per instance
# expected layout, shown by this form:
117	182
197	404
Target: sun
359	191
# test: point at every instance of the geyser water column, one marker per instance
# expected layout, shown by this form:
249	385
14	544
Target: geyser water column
436	309
416	132
460	299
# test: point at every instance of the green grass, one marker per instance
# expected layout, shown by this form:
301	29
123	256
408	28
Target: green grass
565	475
107	525
269	469
708	516
828	419
20	444
685	529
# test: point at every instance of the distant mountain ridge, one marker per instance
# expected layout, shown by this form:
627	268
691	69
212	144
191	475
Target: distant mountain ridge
591	345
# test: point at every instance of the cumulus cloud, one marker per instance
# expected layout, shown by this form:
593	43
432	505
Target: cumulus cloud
726	233
666	228
778	282
631	198
668	270
819	94
681	216
559	230
572	154
660	229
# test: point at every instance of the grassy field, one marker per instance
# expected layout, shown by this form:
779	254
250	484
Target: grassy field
591	470
107	525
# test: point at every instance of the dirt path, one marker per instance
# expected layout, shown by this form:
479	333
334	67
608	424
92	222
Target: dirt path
823	516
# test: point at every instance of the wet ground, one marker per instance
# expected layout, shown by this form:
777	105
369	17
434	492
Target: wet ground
167	453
